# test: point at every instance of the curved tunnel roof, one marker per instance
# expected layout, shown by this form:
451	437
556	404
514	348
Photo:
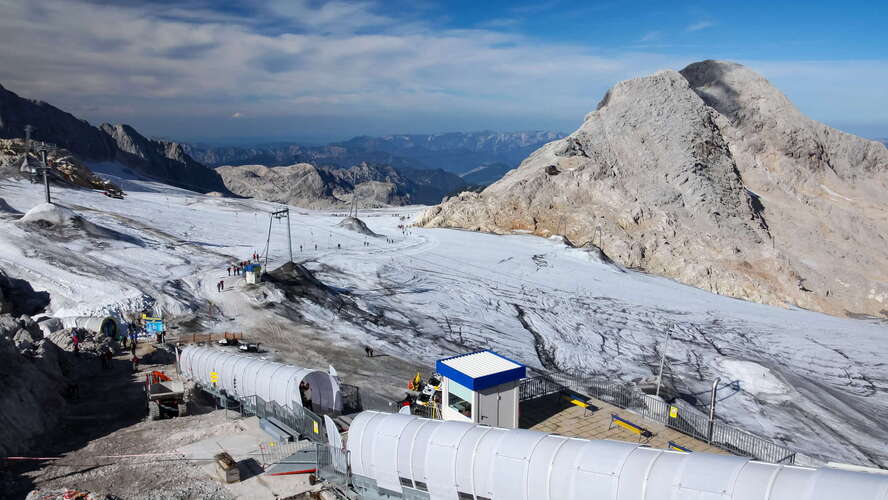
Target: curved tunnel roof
462	460
97	324
242	376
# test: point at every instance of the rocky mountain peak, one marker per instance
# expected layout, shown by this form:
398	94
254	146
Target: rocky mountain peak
709	175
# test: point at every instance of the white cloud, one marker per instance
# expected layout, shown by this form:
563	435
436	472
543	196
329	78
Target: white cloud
237	114
127	64
702	25
650	36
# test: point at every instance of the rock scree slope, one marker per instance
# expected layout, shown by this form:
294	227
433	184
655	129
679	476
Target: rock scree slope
713	177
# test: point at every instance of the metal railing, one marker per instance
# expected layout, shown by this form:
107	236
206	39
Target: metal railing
428	411
272	452
334	466
679	416
299	419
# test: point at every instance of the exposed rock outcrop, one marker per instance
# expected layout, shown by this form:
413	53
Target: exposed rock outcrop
159	160
53	125
18	298
32	372
710	176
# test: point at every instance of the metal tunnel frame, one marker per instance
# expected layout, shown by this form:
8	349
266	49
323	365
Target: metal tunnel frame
243	376
412	457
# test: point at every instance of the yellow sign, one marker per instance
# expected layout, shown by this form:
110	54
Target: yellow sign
673	412
316	427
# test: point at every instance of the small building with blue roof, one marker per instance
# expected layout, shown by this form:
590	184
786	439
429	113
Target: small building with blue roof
480	387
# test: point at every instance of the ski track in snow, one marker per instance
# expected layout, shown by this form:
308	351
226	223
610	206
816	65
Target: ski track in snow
817	383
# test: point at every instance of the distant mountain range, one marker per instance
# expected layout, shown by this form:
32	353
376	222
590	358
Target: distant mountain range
161	160
310	186
410	168
457	152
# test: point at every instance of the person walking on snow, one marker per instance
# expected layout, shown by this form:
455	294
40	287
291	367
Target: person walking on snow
229	270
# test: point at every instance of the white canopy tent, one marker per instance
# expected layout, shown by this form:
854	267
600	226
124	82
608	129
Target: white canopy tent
422	458
241	376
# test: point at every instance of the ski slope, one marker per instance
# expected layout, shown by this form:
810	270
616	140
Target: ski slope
817	383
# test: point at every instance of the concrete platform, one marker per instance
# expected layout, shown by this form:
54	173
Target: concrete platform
555	414
244	447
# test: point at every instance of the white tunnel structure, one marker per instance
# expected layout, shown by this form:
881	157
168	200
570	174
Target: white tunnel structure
412	457
107	325
242	376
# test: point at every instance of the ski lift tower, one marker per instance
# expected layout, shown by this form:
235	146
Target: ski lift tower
280	214
28	168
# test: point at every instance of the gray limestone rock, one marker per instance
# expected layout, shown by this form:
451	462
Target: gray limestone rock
710	176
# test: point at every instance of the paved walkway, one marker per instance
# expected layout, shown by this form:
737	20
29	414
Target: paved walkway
555	414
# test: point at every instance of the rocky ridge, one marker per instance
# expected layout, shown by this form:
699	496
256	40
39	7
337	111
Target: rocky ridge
308	186
159	160
713	177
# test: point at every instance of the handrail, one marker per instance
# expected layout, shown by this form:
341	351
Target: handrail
688	421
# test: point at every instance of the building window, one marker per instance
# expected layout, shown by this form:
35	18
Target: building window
459	398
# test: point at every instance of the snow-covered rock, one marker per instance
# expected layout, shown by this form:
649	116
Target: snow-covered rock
52	214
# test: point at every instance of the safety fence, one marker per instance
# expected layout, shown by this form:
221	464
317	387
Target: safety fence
299	419
274	452
334	467
679	415
203	338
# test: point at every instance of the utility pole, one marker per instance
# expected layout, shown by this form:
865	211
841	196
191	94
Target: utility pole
354	207
712	407
279	215
44	167
662	362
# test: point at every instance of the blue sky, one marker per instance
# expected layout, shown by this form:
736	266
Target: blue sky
317	71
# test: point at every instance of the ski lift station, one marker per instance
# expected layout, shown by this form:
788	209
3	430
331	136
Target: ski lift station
481	387
404	456
241	376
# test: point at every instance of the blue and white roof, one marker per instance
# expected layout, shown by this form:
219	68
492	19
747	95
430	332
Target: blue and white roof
480	370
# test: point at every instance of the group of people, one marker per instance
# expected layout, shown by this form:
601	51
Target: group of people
106	355
237	269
